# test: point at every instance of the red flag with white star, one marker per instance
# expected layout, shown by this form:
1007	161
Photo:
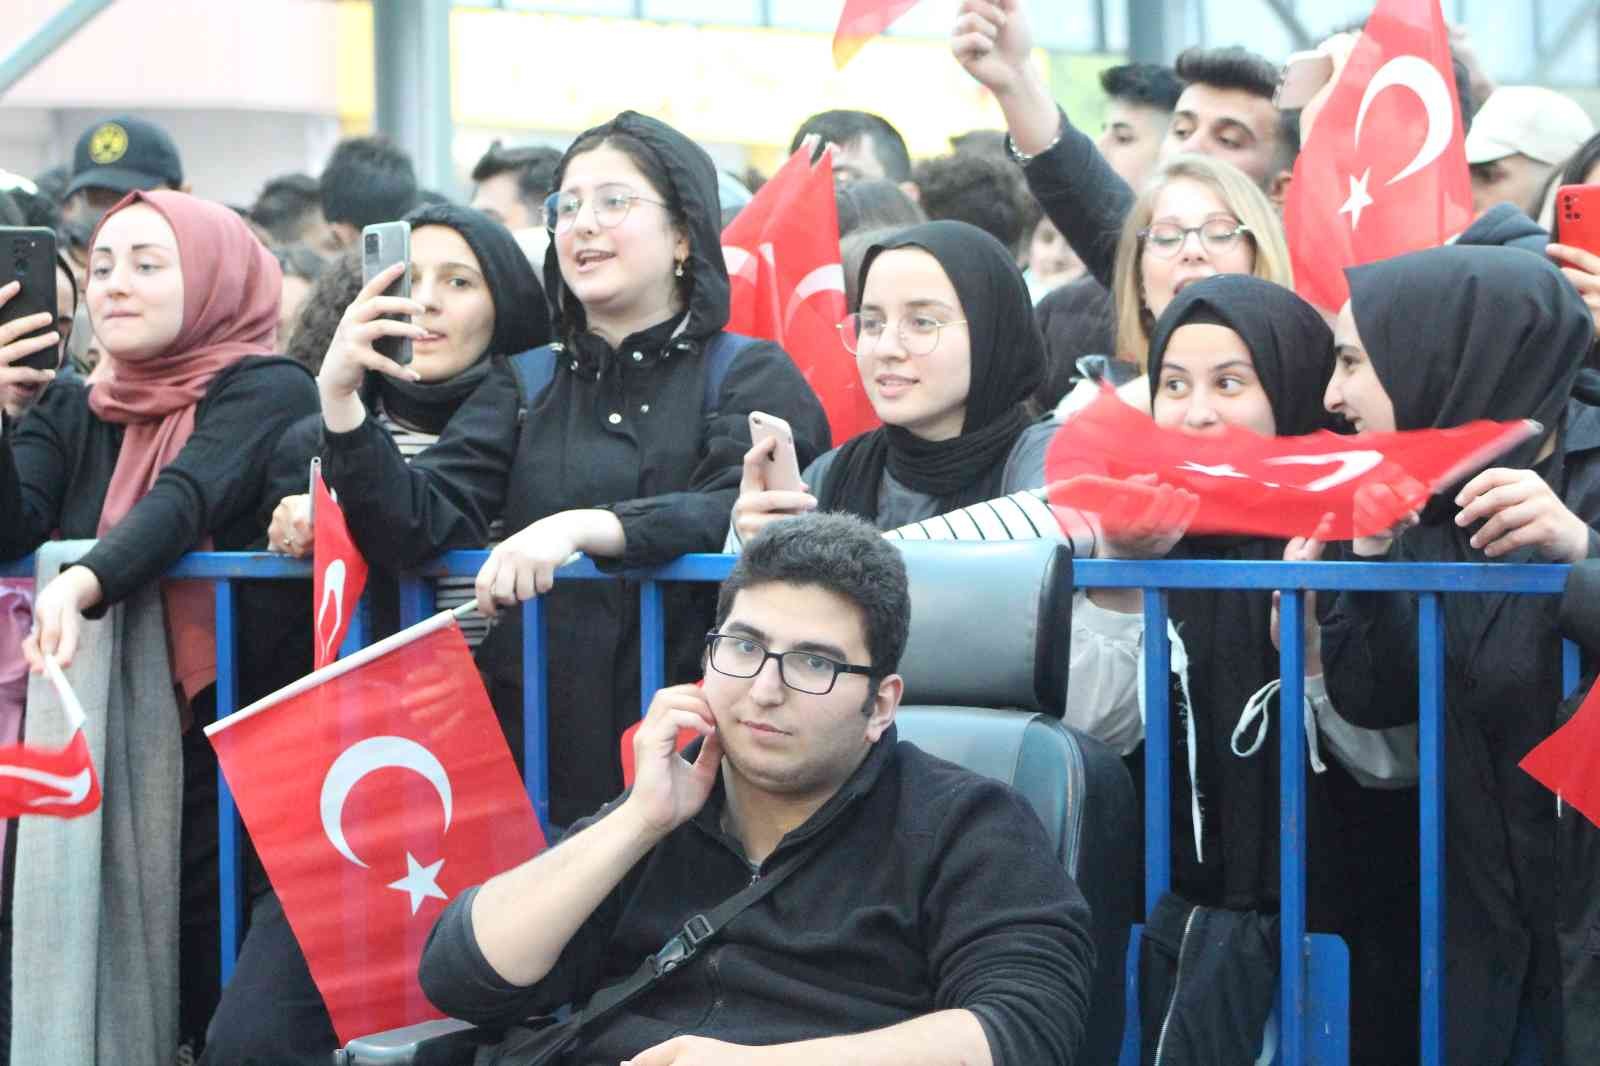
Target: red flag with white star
339	571
1384	171
375	791
1568	761
58	782
1316	485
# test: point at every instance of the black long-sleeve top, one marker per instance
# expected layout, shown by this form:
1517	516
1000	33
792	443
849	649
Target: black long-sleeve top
931	888
1084	198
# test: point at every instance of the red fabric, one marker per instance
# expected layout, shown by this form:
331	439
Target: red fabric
1399	72
1261	486
783	261
361	785
339	573
231	290
59	782
685	738
859	22
1568	761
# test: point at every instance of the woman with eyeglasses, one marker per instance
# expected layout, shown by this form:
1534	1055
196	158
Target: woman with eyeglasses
948	352
628	451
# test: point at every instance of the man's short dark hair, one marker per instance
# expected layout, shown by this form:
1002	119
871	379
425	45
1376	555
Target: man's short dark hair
843	555
284	204
977	189
1228	68
1143	84
535	168
844	128
367	180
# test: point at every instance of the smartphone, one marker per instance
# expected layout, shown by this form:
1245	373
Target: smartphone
1304	75
783	470
28	254
1578	216
384	244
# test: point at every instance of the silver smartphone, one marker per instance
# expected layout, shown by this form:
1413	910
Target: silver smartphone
382	245
783	470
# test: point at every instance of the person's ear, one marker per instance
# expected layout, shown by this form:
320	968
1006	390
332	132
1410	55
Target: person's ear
186	187
885	702
1278	188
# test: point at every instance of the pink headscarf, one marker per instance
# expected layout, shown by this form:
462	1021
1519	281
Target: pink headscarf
231	289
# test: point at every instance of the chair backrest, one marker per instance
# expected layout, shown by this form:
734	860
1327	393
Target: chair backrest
986	677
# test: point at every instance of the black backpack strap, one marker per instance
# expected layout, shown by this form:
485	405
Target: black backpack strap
535	368
686	944
720	352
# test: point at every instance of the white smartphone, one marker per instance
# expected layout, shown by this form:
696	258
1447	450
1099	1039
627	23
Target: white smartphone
783	470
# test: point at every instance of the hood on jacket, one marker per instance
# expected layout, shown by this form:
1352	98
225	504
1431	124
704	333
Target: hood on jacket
1506	226
694	181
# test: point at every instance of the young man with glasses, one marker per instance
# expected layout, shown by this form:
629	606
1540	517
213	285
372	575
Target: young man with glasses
927	920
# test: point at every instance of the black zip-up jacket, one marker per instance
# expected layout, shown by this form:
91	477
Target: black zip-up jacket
932	888
621	429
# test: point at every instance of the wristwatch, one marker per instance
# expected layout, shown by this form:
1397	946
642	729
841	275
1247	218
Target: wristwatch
1021	158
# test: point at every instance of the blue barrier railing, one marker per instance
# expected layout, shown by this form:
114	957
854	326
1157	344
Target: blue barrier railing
1311	1031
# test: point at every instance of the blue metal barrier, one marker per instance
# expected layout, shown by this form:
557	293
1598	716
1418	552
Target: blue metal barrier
1311	1030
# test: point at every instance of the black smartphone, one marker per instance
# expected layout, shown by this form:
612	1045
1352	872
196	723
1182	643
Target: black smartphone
28	255
382	245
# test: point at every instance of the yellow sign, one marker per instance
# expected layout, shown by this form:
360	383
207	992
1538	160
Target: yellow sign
108	144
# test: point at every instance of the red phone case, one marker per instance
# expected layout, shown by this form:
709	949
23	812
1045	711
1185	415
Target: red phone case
1578	217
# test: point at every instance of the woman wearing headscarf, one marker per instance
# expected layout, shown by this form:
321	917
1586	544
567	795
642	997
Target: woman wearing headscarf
618	454
1238	351
164	454
948	353
1433	340
480	299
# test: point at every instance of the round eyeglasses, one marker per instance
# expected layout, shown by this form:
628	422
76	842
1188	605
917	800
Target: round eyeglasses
611	203
803	671
918	333
1217	235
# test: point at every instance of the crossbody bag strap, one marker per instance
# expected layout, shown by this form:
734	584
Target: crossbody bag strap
683	947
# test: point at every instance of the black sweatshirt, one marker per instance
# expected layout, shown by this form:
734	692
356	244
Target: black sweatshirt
1084	198
932	889
55	469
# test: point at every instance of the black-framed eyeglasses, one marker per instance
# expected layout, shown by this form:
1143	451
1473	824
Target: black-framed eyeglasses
611	203
803	671
1217	235
918	333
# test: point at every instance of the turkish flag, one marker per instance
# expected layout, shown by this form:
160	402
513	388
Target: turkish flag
59	782
783	261
1263	486
1568	761
339	572
862	20
1384	171
376	790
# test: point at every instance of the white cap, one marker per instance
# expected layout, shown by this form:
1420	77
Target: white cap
1541	124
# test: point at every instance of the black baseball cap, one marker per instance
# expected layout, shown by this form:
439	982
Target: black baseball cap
125	153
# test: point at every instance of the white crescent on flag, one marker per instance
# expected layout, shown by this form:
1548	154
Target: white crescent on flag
826	278
1423	79
332	592
363	758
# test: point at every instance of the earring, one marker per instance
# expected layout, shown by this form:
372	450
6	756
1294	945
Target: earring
678	272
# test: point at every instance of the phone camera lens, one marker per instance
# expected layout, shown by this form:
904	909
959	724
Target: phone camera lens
372	243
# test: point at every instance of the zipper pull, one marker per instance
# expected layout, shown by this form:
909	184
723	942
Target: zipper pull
522	415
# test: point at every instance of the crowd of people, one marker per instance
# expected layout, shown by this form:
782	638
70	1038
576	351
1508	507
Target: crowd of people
206	354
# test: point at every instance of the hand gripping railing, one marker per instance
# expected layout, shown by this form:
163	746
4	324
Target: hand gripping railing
1302	1043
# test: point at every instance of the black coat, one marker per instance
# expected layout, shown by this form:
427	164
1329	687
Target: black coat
932	889
623	430
1456	334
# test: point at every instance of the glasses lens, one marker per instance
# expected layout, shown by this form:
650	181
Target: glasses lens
850	333
1219	234
611	204
559	210
808	673
919	333
1164	238
736	656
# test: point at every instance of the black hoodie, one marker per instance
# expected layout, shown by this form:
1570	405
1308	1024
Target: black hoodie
622	429
1456	334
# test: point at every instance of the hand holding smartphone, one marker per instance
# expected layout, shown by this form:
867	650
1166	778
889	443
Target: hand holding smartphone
384	244
783	469
1578	217
28	256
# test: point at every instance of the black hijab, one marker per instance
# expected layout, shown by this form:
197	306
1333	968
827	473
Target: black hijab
521	318
1290	345
1462	333
1007	365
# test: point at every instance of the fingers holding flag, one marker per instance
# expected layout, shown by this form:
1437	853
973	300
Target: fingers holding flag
58	617
1147	519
